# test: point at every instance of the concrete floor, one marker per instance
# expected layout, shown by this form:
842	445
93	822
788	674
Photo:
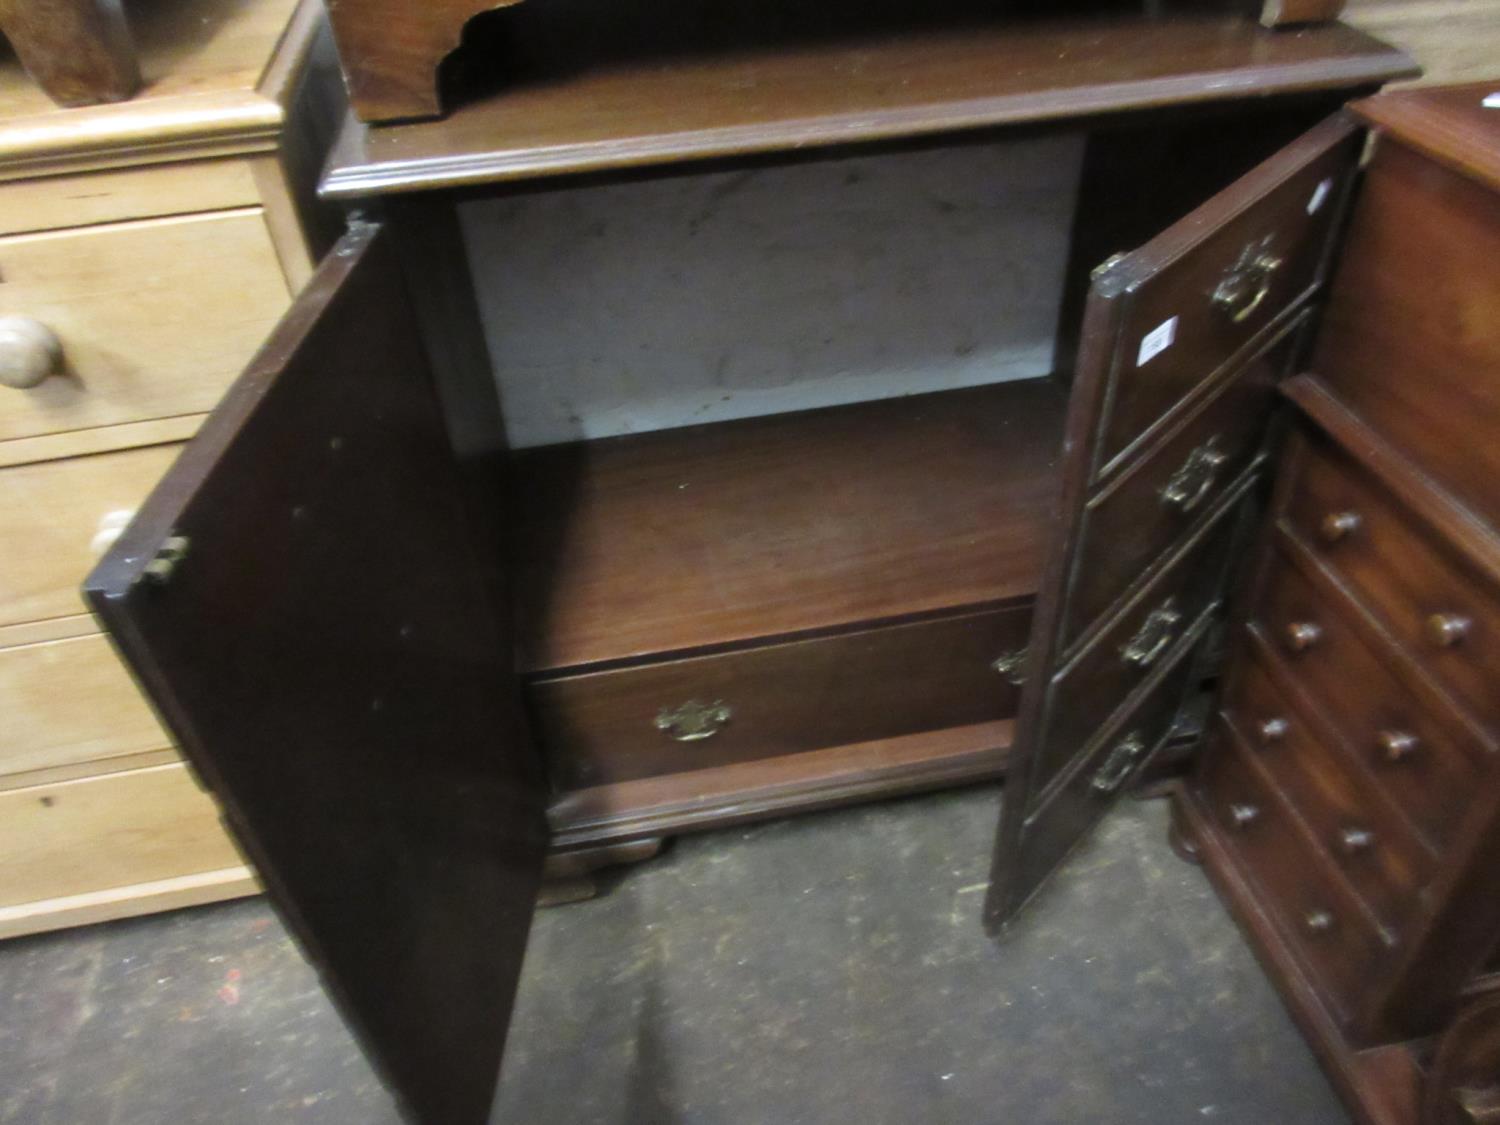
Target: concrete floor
829	969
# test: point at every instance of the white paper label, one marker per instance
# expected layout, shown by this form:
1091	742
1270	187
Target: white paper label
1319	196
1158	340
1491	101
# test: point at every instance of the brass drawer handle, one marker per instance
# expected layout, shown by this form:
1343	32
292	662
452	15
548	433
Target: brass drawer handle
1354	840
1194	480
29	352
693	721
1248	282
1318	921
1302	635
1273	730
1011	665
1119	764
1243	816
1154	636
1446	629
1338	526
1397	745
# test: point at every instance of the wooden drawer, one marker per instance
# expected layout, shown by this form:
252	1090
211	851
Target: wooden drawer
1446	613
1427	763
155	317
1099	680
1350	816
1317	914
98	833
1133	521
1203	305
50	514
69	702
778	699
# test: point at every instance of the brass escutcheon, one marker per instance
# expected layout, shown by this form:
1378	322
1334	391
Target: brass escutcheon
1248	282
693	721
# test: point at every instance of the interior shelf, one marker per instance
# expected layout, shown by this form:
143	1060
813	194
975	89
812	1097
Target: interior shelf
584	98
701	538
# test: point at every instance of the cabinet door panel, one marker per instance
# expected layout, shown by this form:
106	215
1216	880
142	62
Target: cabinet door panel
1223	288
303	602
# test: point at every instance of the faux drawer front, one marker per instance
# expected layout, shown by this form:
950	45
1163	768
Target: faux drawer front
68	702
1376	850
1192	315
1317	915
1142	512
154	317
780	699
1098	681
99	833
1430	767
1447	615
56	515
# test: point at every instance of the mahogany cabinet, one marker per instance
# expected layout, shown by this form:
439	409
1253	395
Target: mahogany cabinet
411	649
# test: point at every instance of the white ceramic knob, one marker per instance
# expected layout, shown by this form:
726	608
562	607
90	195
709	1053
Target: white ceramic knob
29	351
111	524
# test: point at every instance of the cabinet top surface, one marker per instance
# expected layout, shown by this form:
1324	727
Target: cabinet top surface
665	107
1451	124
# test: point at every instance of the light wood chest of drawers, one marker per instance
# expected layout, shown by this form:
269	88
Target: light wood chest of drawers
157	241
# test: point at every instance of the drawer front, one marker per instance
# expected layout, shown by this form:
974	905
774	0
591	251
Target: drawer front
709	711
56	515
1350	817
100	833
154	317
1143	511
1190	317
1447	615
1416	754
69	702
1318	916
1099	680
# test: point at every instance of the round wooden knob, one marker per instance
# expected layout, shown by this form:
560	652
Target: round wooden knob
1273	730
1339	525
1302	635
29	351
1397	745
1318	921
1356	840
1447	629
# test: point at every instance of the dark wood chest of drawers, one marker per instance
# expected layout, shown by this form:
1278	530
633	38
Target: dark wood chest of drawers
410	654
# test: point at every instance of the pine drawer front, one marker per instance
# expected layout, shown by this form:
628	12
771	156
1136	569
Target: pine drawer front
101	833
778	699
154	317
1445	613
56	515
71	702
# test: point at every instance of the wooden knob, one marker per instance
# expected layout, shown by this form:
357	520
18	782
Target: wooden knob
1244	815
1302	635
1318	921
1273	730
1339	525
1356	840
29	352
1397	745
1446	629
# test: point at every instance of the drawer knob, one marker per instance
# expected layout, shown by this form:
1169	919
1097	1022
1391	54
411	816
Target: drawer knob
1110	777
1247	283
1318	921
1243	816
1354	840
1273	730
1194	480
1446	629
1397	745
1337	526
1011	665
29	352
693	721
1302	635
1154	636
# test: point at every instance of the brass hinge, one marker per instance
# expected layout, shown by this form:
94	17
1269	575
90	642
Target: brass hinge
160	569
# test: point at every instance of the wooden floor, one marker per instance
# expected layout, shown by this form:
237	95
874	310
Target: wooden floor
1453	40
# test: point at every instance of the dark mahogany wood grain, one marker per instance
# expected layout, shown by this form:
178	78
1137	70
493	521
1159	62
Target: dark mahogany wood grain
566	110
1448	124
783	698
326	653
1279	12
1463	1086
79	51
698	538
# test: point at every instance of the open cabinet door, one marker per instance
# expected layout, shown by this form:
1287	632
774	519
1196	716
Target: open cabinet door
1182	345
302	600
